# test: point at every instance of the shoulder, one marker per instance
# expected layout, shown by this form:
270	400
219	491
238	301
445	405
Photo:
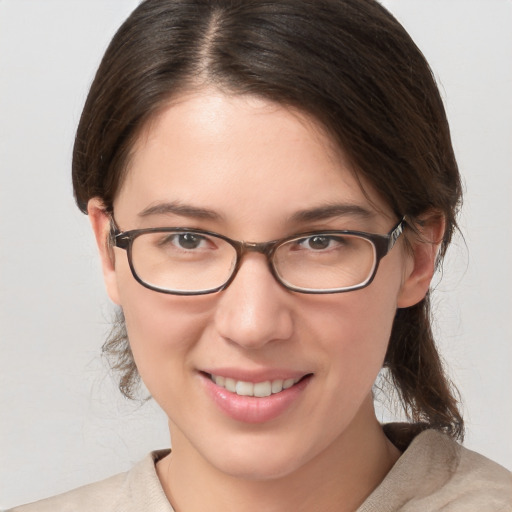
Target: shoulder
135	490
437	473
103	495
478	481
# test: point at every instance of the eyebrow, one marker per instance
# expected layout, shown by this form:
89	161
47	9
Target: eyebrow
310	215
330	211
177	208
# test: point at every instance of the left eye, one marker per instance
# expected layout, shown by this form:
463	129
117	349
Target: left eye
320	242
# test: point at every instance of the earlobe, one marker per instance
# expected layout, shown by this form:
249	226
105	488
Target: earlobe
424	248
100	223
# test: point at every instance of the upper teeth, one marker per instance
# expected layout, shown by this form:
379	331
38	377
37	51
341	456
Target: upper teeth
258	389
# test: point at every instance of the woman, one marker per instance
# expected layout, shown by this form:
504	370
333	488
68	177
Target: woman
271	186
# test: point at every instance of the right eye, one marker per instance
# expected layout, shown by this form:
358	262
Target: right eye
187	241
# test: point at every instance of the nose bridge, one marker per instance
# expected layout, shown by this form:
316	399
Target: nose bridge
264	248
254	309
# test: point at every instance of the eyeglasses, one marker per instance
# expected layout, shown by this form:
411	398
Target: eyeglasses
184	261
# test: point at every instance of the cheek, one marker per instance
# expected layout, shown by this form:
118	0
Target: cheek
162	330
357	335
354	331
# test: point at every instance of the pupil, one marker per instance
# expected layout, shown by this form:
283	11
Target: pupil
319	242
189	241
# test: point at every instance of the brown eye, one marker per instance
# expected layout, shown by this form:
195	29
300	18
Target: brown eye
186	241
189	240
318	242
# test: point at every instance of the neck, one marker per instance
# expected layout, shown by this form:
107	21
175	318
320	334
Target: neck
340	478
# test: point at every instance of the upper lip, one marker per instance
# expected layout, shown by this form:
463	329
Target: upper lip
256	375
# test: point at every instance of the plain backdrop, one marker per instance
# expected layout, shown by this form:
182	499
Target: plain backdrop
62	421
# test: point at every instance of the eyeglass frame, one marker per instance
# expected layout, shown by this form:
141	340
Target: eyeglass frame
381	243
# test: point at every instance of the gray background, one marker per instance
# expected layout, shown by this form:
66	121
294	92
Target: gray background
62	422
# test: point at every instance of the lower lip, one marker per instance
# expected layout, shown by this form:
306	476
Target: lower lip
250	409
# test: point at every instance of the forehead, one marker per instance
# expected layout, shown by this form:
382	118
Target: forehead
239	156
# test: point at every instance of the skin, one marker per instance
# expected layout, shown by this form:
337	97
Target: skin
255	164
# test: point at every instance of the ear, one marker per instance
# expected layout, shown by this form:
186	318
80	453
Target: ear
100	222
424	243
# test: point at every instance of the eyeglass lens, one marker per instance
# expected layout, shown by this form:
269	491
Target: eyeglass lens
195	262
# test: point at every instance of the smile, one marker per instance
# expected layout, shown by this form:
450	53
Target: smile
256	389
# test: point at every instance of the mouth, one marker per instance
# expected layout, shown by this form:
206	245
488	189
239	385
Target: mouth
255	389
256	400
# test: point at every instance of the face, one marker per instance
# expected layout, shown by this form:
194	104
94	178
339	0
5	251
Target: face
247	168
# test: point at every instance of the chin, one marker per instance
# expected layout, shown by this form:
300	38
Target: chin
258	463
259	471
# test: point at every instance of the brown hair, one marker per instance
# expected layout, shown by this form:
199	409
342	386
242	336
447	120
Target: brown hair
350	65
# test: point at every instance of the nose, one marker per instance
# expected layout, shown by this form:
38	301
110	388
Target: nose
254	309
